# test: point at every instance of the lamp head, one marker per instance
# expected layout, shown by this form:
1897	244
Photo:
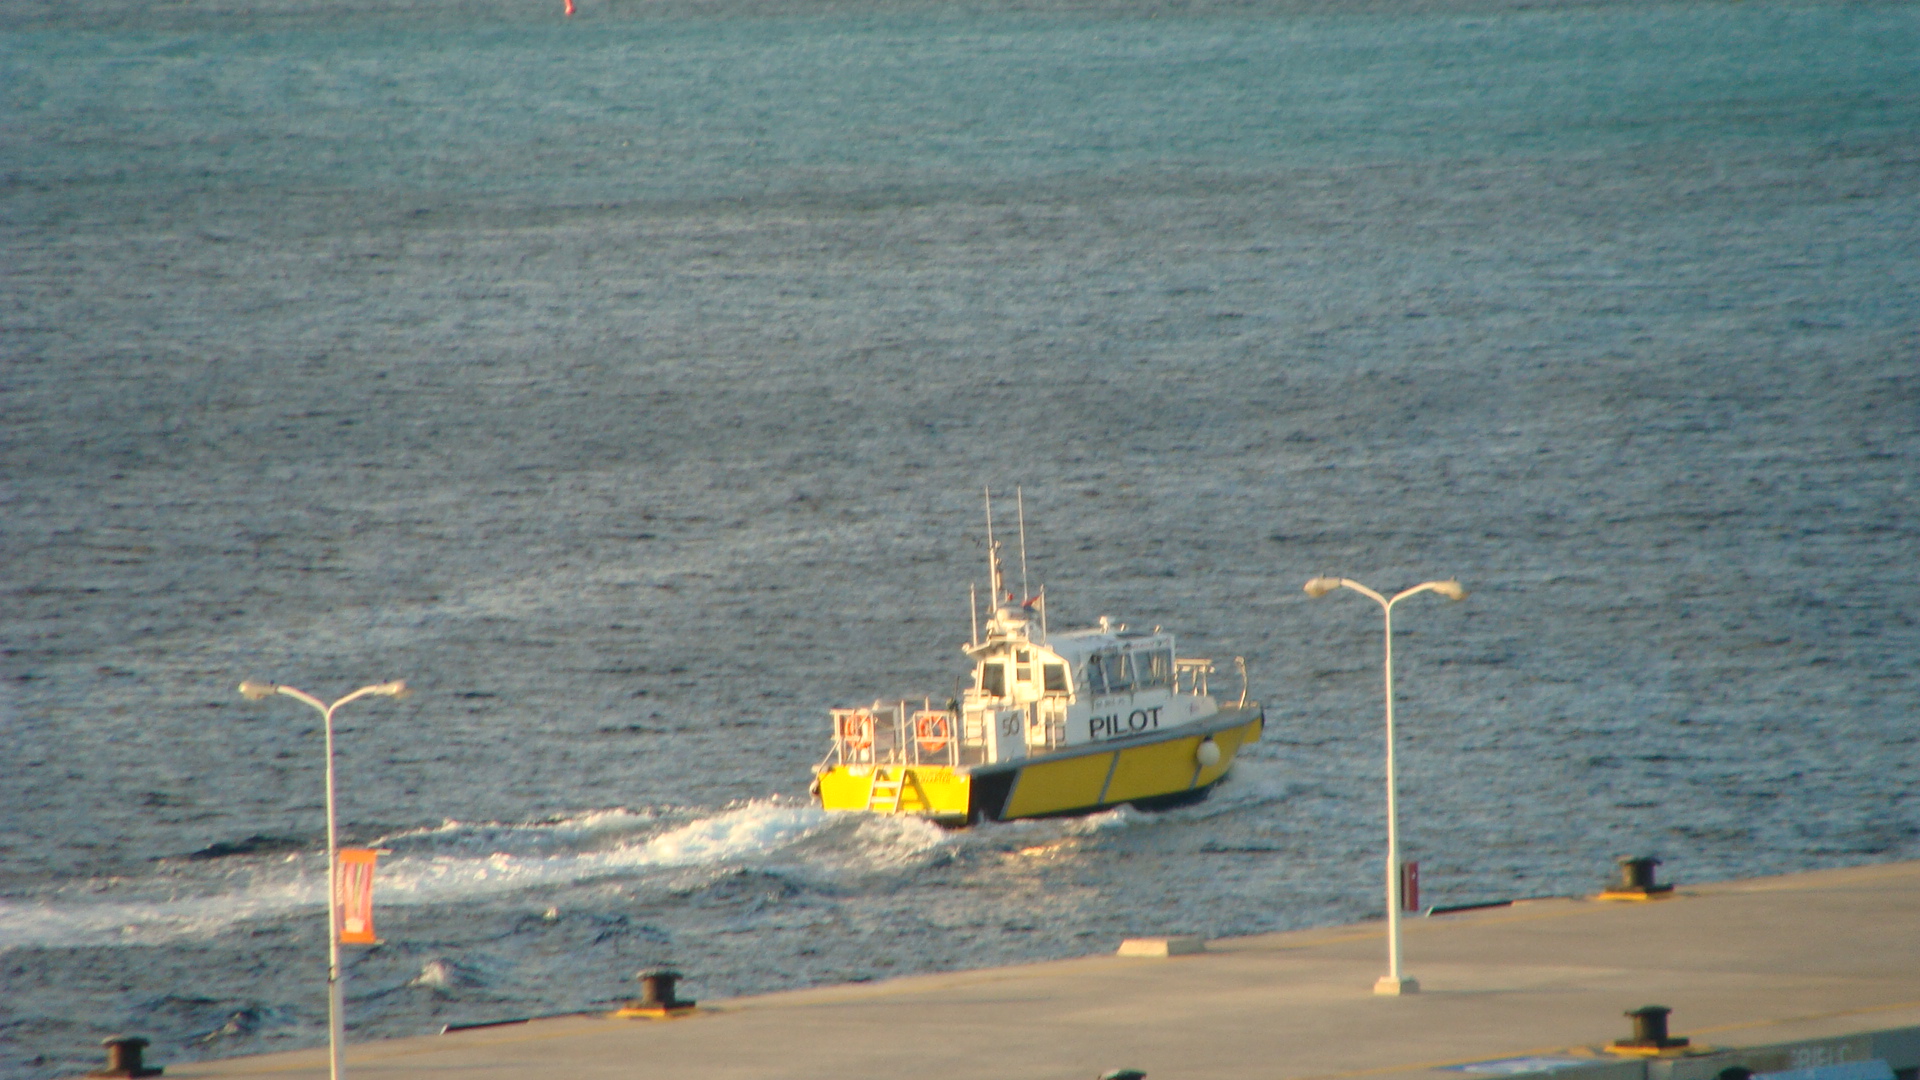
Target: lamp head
255	691
396	689
1450	589
1321	586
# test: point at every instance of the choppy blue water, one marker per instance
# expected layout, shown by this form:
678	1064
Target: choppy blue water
628	384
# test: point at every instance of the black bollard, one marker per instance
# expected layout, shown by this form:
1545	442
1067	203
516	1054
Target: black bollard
1650	1024
1649	1032
657	998
1637	873
123	1058
656	988
1636	880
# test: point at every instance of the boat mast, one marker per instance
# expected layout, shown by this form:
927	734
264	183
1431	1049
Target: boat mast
993	559
973	611
1020	501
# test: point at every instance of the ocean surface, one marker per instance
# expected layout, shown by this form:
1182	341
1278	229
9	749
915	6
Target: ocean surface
628	384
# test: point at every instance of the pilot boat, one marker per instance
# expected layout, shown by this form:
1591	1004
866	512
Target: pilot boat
1053	725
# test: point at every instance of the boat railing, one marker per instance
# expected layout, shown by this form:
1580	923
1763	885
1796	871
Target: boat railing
1047	719
935	738
1195	671
895	733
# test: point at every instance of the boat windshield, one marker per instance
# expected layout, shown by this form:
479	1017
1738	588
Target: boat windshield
1154	668
993	680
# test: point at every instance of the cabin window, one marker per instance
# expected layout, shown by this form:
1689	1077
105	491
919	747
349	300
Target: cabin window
1119	672
1023	666
1055	676
1096	680
993	680
1154	668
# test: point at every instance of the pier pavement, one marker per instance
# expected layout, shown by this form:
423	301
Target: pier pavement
1743	965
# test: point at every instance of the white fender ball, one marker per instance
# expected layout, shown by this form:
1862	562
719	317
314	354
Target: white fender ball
1208	754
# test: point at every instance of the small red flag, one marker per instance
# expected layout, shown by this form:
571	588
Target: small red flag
355	900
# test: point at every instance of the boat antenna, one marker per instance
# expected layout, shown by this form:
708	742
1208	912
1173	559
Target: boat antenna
993	556
973	611
1020	501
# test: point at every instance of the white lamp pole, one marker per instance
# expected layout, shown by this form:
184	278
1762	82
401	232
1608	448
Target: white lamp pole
336	1021
1392	983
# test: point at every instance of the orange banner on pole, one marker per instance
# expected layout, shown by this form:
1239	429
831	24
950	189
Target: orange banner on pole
355	902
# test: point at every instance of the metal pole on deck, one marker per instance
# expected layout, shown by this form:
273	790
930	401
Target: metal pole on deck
336	1007
1393	983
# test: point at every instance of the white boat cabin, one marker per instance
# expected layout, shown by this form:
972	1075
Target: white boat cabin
1032	695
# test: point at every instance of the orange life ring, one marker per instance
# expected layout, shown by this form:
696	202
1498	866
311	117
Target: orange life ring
857	730
932	731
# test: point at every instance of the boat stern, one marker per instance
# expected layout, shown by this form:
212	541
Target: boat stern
940	793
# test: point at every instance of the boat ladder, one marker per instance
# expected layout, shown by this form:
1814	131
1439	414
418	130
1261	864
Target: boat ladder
884	797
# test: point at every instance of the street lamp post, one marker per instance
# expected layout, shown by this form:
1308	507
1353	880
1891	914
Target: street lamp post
1392	983
336	1023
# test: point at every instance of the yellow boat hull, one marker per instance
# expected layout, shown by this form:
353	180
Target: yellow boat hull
1151	773
932	791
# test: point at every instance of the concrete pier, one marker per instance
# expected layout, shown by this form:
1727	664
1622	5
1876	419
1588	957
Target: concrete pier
1765	975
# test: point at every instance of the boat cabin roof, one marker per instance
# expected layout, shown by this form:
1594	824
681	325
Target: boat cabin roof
1075	646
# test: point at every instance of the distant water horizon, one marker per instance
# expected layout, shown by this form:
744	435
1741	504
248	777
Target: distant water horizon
628	385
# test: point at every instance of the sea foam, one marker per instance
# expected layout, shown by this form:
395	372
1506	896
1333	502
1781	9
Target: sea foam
526	857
